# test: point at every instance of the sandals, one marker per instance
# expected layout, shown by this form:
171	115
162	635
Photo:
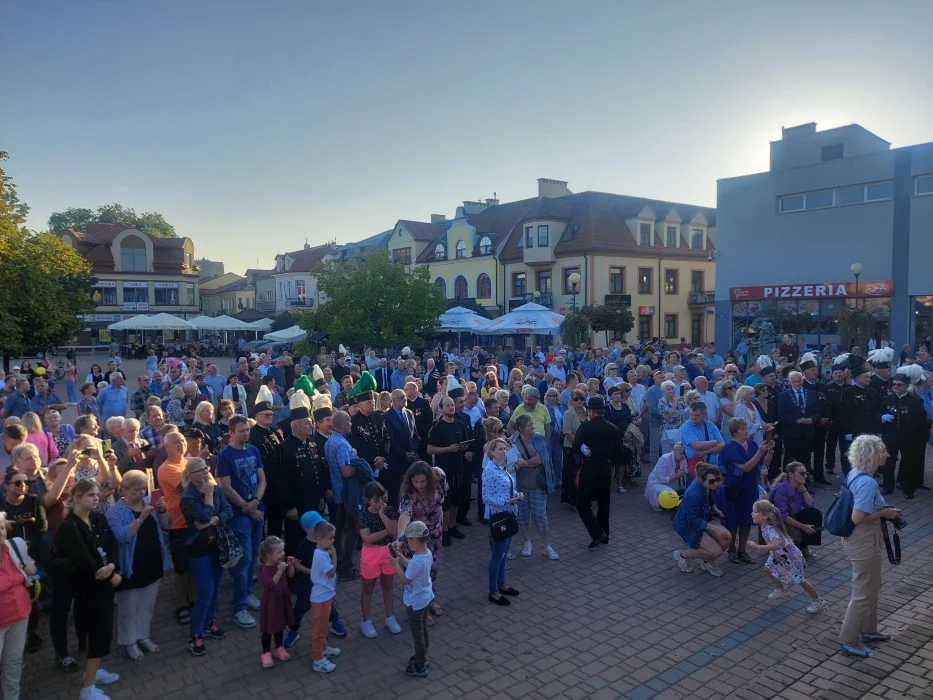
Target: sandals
436	610
734	557
183	615
744	558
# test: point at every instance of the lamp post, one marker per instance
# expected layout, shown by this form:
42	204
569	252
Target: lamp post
856	269
574	281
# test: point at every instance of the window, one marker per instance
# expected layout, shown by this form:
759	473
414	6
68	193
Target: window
529	236
135	295
485	245
108	296
568	289
460	288
696	238
518	284
670	325
696	281
441	284
670	281
544	281
617	280
132	254
483	287
166	296
671	237
832	152
300	289
542	236
793	202
644	234
924	184
644	327
850	195
819	200
644	280
402	256
440	252
879	190
461	250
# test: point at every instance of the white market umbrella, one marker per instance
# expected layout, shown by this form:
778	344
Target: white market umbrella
461	319
263	324
529	318
155	322
222	323
199	322
288	335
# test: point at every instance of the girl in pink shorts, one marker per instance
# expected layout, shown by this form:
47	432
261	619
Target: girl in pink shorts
378	528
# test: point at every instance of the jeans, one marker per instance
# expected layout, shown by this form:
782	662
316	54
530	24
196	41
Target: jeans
497	561
12	645
418	622
345	541
206	573
249	533
72	392
303	604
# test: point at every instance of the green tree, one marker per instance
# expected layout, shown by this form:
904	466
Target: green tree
609	317
52	282
374	302
282	321
76	218
575	329
470	304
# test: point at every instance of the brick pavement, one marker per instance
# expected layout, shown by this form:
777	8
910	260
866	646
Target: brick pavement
618	622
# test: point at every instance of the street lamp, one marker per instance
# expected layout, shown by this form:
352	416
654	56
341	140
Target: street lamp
536	295
574	280
856	269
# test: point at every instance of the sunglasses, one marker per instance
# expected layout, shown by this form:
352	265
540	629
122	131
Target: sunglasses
578	399
715	480
20	482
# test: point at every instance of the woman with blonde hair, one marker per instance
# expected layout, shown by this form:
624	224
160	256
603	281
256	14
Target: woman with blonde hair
500	495
48	451
863	546
574	417
725	393
744	407
384	402
61	433
143	558
204	421
174	410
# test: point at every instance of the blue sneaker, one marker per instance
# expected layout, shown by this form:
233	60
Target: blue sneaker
291	638
338	629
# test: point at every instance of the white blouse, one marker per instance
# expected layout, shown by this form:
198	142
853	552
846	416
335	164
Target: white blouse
498	487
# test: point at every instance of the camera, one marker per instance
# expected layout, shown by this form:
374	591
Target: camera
899	523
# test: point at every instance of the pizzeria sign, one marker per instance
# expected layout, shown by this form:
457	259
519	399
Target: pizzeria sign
815	290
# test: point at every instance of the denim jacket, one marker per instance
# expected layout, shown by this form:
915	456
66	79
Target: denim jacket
120	517
194	510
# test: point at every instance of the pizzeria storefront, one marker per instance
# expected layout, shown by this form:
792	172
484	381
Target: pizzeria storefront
815	314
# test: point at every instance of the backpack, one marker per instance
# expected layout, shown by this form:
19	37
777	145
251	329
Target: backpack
838	520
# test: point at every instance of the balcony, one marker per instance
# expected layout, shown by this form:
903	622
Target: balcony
543	255
617	299
701	298
266	305
545	299
299	302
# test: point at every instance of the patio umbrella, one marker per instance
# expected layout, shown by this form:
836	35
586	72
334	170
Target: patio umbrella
529	319
262	324
155	322
461	319
288	335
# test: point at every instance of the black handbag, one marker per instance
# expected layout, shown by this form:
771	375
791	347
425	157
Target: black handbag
202	543
503	525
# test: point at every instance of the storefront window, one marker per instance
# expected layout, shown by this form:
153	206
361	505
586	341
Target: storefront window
922	332
830	310
166	296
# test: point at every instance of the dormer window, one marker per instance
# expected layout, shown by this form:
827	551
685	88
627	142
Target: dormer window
644	234
440	253
671	237
485	245
461	250
542	236
696	238
132	255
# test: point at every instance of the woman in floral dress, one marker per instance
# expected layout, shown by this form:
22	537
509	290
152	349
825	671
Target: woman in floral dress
422	498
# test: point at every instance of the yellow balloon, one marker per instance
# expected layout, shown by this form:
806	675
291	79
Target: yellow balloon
668	499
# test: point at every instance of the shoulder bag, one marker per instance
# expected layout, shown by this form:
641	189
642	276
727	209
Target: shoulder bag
540	477
35	588
894	554
503	525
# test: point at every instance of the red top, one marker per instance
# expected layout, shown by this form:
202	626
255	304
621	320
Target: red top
14	598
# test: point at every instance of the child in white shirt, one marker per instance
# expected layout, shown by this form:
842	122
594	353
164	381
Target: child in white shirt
418	592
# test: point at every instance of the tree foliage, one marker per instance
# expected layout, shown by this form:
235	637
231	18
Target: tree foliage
609	317
575	329
47	284
373	302
282	321
470	304
76	218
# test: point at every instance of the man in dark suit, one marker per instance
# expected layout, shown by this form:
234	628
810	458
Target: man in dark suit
383	376
403	445
424	418
799	412
904	429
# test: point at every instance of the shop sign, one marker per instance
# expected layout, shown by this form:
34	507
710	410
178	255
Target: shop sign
103	335
142	305
136	285
646	311
129	306
101	284
816	290
166	285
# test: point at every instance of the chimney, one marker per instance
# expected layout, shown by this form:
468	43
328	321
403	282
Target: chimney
473	207
438	218
491	202
552	188
799	130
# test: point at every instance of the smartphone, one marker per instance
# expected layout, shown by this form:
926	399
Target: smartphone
105	445
155	497
145	448
769	434
87	452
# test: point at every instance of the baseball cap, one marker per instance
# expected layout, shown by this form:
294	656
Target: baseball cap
416	529
311	519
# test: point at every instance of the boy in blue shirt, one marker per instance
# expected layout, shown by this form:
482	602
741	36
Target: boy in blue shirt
418	593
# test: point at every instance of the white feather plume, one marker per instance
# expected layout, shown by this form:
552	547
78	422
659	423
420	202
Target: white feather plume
808	357
342	349
914	372
764	361
264	394
881	355
299	398
452	383
321	401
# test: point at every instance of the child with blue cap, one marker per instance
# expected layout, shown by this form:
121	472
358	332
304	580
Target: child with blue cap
301	583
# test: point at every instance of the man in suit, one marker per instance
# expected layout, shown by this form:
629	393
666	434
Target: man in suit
403	445
799	412
904	429
383	376
424	417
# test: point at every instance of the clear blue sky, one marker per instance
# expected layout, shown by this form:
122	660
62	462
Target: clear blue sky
252	126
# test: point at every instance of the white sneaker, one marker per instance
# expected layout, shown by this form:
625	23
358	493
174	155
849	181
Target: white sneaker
93	693
551	554
621	489
526	550
323	666
711	568
253	602
392	625
778	593
244	620
105	677
366	627
331	651
682	563
510	556
148	645
815	606
133	652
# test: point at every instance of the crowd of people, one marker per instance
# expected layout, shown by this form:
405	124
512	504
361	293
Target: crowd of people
300	473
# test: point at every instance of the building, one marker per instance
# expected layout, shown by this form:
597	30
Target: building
209	268
353	251
264	284
832	203
135	273
228	299
652	255
295	286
